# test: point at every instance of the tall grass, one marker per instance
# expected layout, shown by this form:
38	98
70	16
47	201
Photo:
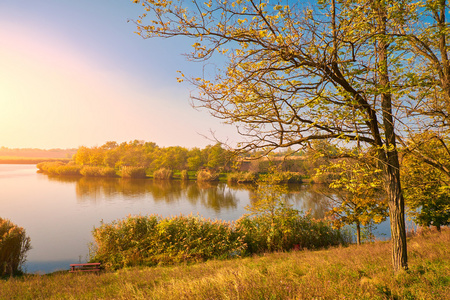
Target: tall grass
153	240
207	175
97	171
14	244
133	172
242	177
163	174
355	272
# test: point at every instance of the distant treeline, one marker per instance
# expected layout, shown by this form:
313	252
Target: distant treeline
36	153
141	159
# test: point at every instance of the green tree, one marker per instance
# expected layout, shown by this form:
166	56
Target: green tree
427	182
298	73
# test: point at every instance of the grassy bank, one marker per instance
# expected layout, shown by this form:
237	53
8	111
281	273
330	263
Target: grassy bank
353	272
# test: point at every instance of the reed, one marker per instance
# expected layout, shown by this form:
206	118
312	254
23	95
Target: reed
207	175
163	174
133	172
242	177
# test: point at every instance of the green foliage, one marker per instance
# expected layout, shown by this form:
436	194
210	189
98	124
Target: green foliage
13	247
426	182
163	174
153	240
133	172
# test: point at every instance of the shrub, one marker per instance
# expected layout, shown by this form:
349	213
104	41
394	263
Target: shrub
50	167
207	175
163	174
133	172
152	240
242	177
13	247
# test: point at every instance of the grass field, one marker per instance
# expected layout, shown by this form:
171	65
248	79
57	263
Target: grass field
352	272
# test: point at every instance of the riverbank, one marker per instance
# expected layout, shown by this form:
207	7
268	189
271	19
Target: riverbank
354	272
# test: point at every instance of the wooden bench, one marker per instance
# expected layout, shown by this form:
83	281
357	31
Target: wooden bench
88	267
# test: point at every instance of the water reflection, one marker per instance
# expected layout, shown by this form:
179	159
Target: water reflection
215	196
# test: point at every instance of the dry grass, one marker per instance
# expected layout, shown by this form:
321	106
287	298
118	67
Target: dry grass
353	272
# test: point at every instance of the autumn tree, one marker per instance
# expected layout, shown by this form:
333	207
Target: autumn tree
296	73
426	180
357	197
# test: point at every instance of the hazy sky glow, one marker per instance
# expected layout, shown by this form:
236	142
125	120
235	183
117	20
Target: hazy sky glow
74	73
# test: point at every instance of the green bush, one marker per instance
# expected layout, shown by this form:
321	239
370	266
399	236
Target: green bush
207	175
163	174
133	172
152	240
13	247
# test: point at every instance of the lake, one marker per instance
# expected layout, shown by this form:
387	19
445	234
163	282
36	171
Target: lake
59	213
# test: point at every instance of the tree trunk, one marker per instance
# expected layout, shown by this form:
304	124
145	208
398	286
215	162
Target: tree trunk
397	220
389	154
358	234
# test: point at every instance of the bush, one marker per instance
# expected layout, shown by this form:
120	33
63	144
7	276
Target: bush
133	172
152	240
242	177
163	174
50	167
13	247
207	175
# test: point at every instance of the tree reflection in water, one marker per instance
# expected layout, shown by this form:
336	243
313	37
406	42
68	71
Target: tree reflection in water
216	196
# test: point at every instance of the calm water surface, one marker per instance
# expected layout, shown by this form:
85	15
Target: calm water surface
59	213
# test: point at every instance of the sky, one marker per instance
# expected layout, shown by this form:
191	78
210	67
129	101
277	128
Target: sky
74	73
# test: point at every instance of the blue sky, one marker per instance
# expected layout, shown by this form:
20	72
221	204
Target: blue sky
74	73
